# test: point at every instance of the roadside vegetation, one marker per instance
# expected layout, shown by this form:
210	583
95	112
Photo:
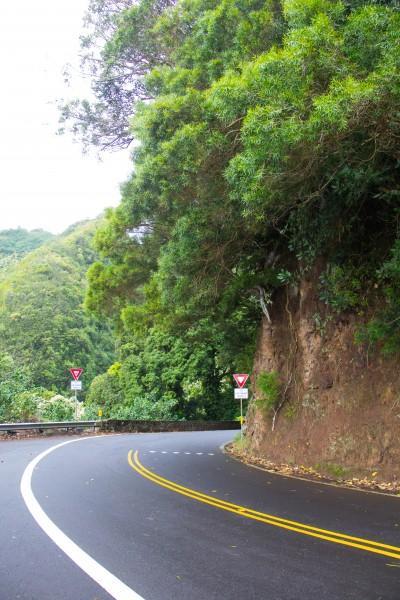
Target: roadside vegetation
266	142
44	328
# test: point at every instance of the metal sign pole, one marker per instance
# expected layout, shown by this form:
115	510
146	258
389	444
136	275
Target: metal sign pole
76	385
240	393
241	419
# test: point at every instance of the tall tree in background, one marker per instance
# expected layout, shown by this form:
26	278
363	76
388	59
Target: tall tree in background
119	49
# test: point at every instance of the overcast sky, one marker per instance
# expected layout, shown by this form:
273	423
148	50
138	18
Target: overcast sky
45	180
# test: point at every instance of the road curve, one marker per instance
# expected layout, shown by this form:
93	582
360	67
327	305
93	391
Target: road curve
167	529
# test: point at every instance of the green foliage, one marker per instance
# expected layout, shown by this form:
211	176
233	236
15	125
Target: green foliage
241	443
21	402
164	377
300	13
24	407
40	405
290	412
384	328
20	241
341	288
266	145
42	323
334	470
14	380
56	408
105	393
269	388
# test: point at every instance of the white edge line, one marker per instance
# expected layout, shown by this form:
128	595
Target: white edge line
114	586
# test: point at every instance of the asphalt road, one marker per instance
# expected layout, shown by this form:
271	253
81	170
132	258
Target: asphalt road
162	542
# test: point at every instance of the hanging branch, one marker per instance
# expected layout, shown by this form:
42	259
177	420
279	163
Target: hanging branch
281	403
264	299
291	374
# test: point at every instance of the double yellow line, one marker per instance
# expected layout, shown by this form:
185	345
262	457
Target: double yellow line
316	532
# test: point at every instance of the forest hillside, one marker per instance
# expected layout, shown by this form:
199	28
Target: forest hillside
15	243
44	328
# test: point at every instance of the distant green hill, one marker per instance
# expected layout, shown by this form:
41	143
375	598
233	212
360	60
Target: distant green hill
15	243
43	325
20	241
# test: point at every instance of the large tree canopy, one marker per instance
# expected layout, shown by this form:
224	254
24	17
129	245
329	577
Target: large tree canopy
266	136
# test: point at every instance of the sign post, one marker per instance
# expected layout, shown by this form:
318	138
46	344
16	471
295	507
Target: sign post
76	385
241	393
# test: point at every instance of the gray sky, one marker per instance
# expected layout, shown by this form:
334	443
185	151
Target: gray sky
45	180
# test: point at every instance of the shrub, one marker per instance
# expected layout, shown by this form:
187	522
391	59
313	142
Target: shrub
269	388
24	407
56	408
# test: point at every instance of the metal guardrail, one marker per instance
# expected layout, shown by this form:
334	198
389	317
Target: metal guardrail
120	426
13	427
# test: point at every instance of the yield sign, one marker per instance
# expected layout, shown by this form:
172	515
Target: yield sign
76	373
240	378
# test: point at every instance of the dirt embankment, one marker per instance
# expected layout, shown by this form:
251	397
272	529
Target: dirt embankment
341	415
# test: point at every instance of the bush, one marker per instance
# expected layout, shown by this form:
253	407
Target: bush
163	409
269	388
384	328
24	407
56	408
105	393
342	289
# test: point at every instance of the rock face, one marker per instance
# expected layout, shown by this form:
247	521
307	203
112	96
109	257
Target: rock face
342	407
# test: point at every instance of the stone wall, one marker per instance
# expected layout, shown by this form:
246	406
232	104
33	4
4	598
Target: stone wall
130	426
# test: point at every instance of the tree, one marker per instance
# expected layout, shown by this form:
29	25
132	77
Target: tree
164	376
255	155
120	47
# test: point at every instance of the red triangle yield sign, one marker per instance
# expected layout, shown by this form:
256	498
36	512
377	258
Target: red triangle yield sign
241	378
76	373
